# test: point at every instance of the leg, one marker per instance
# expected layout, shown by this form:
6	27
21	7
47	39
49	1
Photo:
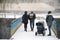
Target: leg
31	25
49	31
25	26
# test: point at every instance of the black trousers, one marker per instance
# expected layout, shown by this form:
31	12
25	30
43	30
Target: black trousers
25	26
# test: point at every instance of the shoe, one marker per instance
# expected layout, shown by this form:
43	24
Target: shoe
31	29
49	34
25	30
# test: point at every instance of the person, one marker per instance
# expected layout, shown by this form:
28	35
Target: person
49	20
25	20
32	17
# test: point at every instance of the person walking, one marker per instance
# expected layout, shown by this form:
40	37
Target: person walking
25	20
32	17
49	20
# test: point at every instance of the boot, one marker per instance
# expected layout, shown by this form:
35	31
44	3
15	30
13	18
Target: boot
49	34
25	30
31	29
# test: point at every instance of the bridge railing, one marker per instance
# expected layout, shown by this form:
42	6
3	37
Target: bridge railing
56	27
15	24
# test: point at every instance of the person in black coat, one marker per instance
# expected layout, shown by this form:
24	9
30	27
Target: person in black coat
25	20
49	20
32	17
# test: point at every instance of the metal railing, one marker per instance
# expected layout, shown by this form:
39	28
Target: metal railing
15	22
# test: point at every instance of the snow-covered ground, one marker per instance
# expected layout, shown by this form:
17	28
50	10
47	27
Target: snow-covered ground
30	35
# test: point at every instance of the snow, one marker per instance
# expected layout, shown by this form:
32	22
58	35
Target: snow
30	35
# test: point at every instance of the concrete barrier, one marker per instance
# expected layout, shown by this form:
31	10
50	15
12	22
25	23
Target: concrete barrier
15	25
8	27
56	27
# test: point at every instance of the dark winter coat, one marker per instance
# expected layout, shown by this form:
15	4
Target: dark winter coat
32	16
25	18
49	20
